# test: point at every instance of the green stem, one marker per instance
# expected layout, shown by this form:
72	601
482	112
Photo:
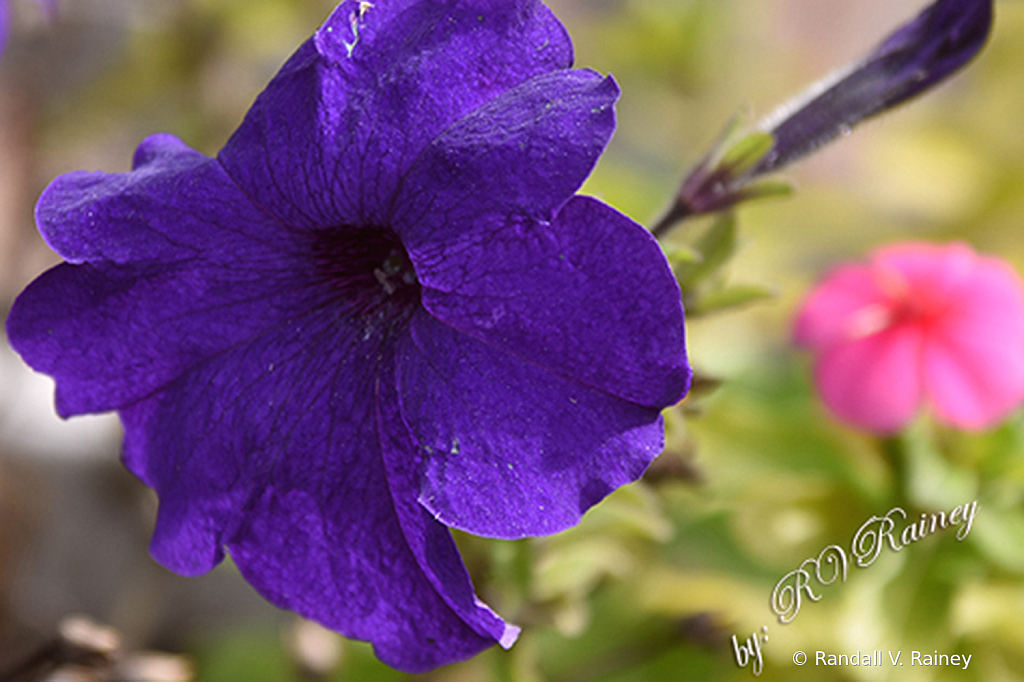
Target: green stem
894	448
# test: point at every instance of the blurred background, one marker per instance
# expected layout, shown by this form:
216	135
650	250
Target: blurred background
756	477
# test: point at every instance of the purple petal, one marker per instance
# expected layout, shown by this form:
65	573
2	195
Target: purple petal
175	205
293	484
505	448
588	297
523	154
329	140
173	265
430	541
919	55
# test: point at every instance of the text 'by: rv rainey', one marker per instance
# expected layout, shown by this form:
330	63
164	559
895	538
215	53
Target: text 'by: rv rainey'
893	529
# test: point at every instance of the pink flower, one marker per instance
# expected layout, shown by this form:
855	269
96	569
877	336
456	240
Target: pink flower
918	325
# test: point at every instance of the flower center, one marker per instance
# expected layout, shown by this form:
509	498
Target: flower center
369	268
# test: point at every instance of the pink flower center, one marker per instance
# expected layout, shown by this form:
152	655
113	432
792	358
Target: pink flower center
904	305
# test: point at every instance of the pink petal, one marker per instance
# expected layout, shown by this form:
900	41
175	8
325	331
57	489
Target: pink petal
929	273
873	382
847	305
974	357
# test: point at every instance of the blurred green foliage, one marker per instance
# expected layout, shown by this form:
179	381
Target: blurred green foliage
756	477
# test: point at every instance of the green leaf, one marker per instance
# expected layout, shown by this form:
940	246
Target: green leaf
766	189
682	255
716	246
747	152
729	297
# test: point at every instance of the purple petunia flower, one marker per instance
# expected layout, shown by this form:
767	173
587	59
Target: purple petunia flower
380	311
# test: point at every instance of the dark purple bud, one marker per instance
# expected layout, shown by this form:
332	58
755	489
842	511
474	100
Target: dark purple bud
917	56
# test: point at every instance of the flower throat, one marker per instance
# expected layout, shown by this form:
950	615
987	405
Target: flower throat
370	269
